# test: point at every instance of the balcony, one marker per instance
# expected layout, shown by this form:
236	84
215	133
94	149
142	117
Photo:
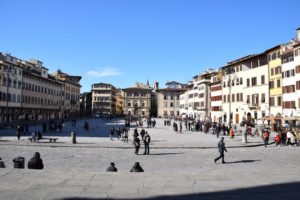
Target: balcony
254	106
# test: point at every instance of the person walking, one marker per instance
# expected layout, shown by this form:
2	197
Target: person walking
147	140
111	133
277	139
19	130
221	148
266	136
36	162
137	145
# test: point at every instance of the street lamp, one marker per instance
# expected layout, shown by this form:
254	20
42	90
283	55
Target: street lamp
231	77
7	72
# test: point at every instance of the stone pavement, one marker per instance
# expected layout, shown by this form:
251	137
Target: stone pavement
180	166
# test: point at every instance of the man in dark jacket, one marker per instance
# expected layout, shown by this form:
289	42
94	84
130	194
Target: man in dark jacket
36	162
222	148
112	168
137	145
147	140
136	168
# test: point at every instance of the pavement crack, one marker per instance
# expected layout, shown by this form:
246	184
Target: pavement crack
63	182
193	185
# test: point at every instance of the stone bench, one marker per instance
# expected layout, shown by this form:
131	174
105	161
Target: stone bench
47	139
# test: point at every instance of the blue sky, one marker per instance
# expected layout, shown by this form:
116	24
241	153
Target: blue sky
124	41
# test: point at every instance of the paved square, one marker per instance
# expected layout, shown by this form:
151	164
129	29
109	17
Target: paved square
180	166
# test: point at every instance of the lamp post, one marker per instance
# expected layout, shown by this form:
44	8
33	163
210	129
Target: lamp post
231	77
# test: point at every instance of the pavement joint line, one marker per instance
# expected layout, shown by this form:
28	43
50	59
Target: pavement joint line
153	147
7	173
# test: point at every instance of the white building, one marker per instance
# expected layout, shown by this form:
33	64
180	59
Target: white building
246	89
103	99
216	96
288	81
199	96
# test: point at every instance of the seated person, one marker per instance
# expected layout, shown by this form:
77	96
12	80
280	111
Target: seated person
136	168
36	162
2	165
112	168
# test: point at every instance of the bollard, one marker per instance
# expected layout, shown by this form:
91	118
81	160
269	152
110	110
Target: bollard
73	136
19	162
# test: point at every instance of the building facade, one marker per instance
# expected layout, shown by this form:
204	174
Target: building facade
71	93
199	96
216	96
119	102
103	99
168	99
86	104
137	100
28	92
245	89
275	84
11	75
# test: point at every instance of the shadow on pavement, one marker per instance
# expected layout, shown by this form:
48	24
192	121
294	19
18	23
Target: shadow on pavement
269	192
159	154
241	161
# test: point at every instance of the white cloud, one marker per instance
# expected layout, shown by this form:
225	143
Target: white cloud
103	72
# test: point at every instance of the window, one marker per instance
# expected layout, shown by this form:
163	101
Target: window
277	70
278	83
298	85
289	104
272	101
262	79
224	98
253	80
233	99
289	89
248	98
292	72
271	84
297	53
171	105
241	81
129	104
263	98
279	101
248	82
298	69
165	97
272	71
166	104
255	99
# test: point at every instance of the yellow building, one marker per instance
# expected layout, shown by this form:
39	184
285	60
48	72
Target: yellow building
275	84
119	102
